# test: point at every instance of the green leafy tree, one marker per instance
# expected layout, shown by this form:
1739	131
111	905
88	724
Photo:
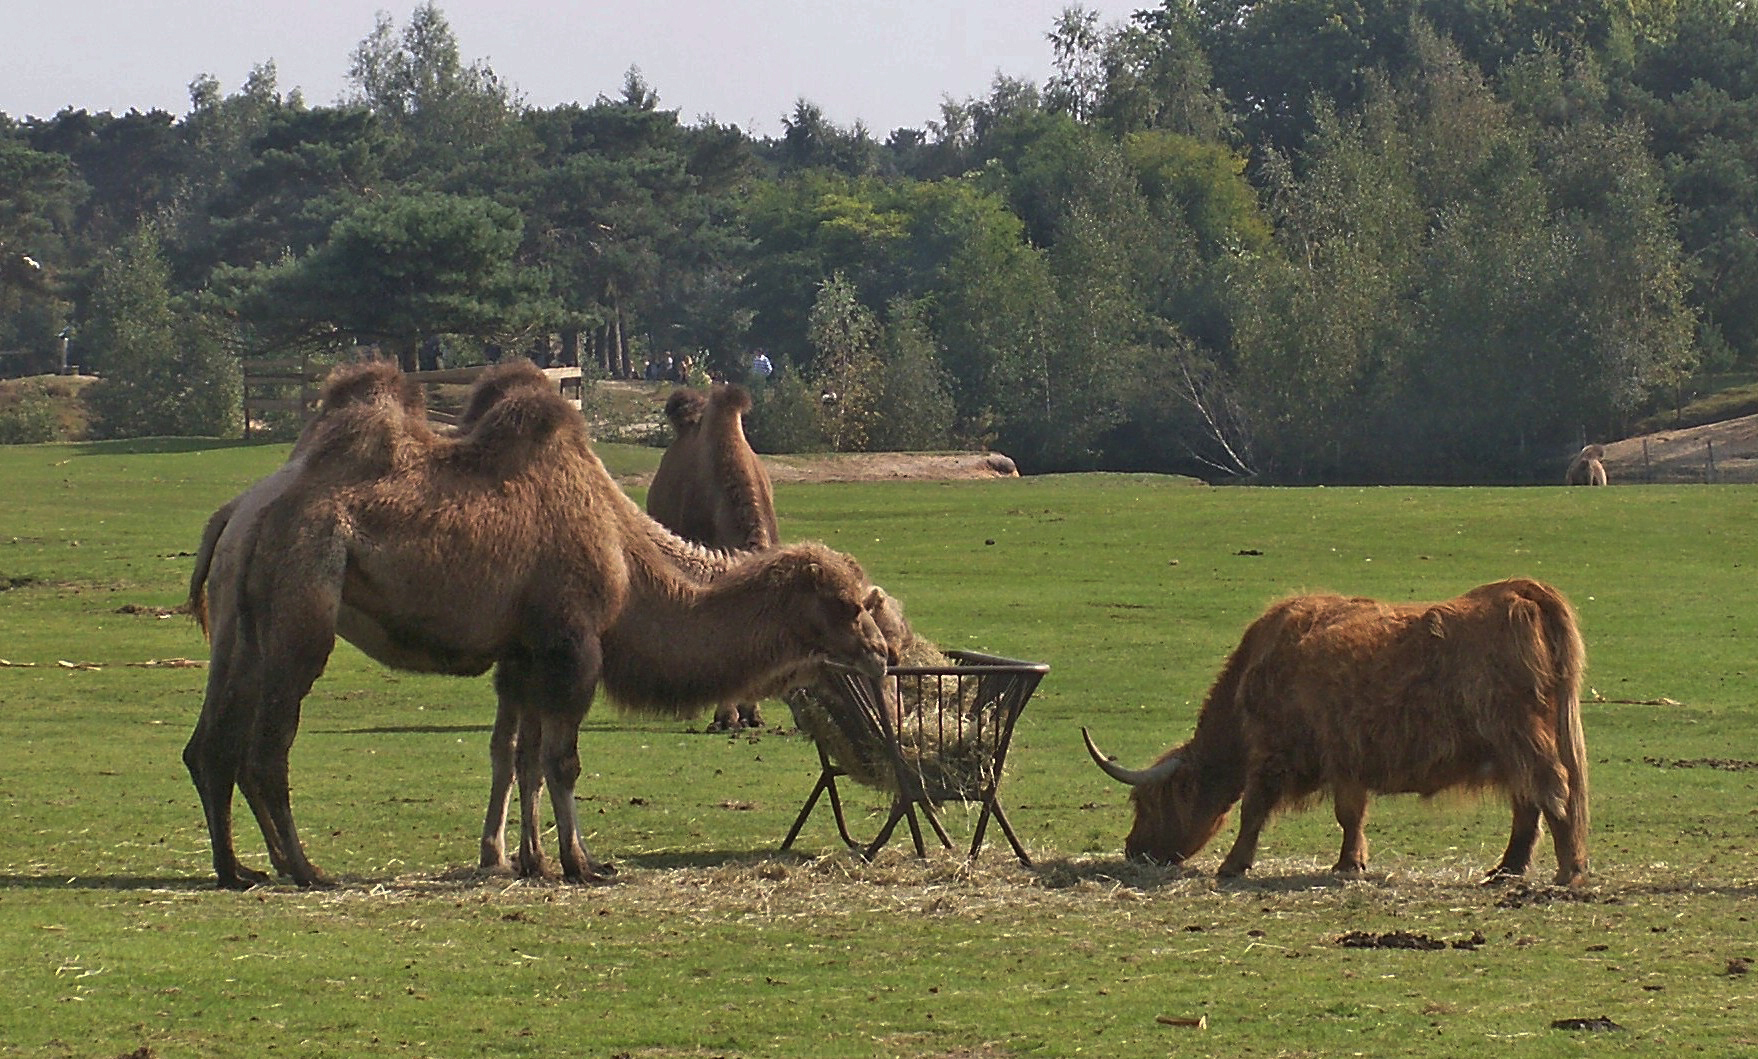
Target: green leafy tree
785	414
394	270
450	121
39	194
846	335
915	409
165	370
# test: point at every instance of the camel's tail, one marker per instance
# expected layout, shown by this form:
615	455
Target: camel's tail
204	560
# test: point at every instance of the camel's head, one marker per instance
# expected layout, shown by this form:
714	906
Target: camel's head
887	611
833	605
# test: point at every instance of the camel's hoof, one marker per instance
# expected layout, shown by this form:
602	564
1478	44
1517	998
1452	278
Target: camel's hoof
596	872
243	878
543	871
1499	876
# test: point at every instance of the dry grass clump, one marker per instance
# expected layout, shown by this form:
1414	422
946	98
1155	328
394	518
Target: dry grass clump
944	725
841	885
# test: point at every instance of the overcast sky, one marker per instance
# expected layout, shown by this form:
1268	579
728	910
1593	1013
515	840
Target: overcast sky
885	62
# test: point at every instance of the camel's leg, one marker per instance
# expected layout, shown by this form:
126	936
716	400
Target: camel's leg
551	685
298	635
212	756
501	748
749	715
726	718
561	768
533	862
1350	803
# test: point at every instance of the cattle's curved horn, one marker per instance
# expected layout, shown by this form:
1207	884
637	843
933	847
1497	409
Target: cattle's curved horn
1133	777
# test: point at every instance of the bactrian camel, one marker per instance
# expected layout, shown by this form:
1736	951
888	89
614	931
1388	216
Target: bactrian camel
710	488
505	546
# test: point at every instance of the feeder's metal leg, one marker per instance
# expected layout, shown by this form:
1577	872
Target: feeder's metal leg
898	811
992	807
934	822
824	781
841	824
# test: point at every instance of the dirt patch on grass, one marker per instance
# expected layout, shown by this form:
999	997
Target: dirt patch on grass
1714	452
1725	764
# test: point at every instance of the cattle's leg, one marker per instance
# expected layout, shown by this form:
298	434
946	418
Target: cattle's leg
749	716
1350	802
1567	833
1522	837
501	747
1571	847
1261	798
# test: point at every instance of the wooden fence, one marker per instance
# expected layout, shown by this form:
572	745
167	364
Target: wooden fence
267	383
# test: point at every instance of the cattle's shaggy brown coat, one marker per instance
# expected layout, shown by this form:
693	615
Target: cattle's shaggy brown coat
1352	697
710	488
505	546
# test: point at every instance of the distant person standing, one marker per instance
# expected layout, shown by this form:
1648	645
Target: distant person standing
761	369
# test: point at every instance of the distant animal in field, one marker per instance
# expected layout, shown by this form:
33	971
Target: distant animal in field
1352	697
504	546
1587	468
711	489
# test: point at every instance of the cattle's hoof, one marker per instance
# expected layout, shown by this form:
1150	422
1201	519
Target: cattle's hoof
1229	872
1499	876
1350	868
1570	879
317	880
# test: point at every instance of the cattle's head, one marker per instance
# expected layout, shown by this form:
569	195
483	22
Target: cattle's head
1175	813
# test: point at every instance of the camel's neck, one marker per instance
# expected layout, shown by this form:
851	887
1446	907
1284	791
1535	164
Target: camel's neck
680	646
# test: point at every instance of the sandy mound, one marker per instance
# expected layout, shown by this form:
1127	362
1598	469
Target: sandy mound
1719	452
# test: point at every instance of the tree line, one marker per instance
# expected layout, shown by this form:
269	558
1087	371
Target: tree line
1282	240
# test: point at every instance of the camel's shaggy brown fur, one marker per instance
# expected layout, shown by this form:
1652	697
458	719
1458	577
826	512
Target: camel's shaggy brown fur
506	545
710	488
1587	468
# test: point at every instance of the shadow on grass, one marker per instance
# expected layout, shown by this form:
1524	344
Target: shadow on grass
165	446
409	729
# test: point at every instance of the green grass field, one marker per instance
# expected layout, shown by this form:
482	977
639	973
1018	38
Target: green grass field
113	941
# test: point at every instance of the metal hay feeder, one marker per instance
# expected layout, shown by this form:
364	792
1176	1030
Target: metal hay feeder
927	734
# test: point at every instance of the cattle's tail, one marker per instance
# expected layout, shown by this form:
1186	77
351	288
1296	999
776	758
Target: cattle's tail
1568	669
204	561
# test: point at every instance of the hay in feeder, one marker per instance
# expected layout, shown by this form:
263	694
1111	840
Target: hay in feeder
939	723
